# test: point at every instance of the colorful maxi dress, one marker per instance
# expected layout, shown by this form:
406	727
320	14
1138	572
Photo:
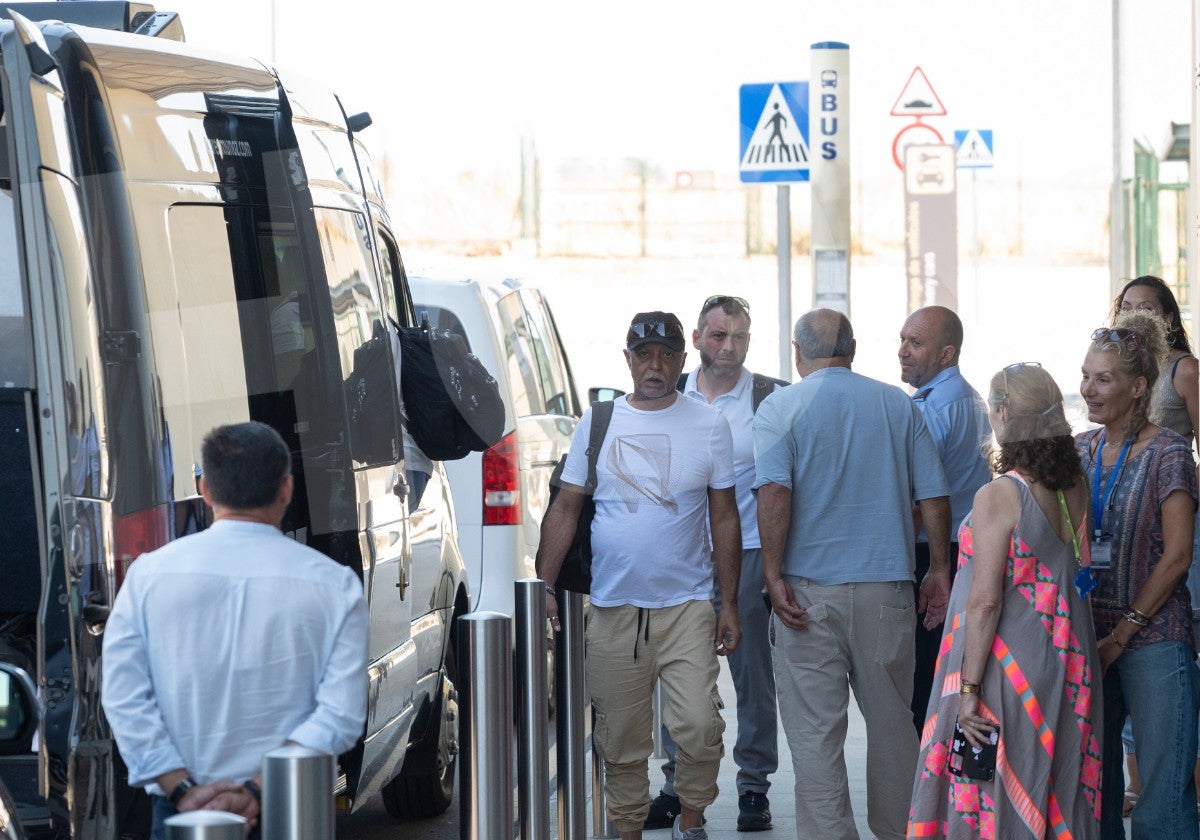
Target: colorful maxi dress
1041	682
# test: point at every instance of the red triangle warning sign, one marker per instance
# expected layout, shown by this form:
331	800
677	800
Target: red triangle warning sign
918	98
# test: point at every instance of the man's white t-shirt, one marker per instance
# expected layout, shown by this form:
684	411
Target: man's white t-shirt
650	545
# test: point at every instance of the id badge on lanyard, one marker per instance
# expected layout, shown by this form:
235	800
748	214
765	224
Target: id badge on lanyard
1102	541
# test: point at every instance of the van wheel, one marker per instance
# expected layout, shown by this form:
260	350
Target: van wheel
427	792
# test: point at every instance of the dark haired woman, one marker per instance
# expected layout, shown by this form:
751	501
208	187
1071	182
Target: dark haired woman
1175	398
1143	504
1019	666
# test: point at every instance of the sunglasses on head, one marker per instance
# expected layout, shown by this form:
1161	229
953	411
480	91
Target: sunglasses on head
721	300
1116	334
1002	399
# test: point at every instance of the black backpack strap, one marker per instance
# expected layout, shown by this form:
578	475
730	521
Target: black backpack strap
601	416
763	386
681	385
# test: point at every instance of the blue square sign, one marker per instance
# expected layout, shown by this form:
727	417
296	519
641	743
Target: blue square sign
774	132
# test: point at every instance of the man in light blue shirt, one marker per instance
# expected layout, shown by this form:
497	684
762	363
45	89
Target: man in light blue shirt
226	644
930	343
840	460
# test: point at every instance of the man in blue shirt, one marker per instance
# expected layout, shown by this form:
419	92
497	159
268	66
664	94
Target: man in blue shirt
930	343
225	644
840	459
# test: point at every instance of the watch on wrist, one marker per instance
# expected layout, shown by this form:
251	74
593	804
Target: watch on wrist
180	790
254	790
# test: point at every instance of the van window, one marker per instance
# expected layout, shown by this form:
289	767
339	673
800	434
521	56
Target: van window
548	355
14	325
397	299
363	338
521	357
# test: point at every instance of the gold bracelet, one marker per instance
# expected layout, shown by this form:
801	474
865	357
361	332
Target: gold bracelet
967	687
1117	641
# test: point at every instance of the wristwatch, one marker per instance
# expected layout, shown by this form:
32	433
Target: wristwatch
180	790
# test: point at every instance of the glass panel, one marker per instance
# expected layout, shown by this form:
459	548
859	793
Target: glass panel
12	708
364	342
549	356
520	357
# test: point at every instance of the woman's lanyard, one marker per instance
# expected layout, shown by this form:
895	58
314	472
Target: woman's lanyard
1099	506
1084	580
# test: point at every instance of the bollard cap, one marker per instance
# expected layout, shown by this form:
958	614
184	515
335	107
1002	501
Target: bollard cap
484	615
288	751
202	818
205	825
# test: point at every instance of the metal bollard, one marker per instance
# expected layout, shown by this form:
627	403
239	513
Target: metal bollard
485	726
533	762
660	749
602	826
297	794
205	825
569	722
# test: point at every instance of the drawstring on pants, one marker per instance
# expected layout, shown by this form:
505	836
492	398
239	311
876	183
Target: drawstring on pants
642	616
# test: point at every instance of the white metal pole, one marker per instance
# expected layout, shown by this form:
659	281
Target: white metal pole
783	250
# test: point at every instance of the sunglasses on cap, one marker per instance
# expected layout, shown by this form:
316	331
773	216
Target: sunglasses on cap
643	329
721	300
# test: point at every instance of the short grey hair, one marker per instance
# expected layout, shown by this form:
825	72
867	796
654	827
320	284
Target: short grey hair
824	334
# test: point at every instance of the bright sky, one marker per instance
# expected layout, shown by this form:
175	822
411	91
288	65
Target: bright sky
454	85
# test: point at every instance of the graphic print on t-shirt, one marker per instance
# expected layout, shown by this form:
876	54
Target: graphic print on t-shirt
641	465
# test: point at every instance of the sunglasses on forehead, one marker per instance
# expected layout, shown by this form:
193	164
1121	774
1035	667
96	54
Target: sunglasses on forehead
642	329
721	300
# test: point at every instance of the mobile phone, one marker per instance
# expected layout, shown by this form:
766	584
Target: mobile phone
974	762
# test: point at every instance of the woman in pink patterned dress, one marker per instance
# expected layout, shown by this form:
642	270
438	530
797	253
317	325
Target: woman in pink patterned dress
1018	663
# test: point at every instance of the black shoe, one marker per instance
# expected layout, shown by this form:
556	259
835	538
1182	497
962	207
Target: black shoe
663	811
754	812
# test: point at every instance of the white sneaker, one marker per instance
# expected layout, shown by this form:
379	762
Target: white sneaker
690	834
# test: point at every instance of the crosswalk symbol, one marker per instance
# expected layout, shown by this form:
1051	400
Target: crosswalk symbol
774	132
974	149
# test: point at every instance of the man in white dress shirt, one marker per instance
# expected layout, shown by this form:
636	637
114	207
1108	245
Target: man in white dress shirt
226	644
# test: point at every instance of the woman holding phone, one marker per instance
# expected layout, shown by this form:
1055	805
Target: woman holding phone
1008	748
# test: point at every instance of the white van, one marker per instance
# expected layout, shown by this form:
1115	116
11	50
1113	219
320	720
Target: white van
501	495
189	239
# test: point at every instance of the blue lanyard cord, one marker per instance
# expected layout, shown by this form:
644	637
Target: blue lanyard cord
1100	505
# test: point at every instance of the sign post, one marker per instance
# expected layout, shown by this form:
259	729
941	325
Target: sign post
774	149
829	113
930	227
974	151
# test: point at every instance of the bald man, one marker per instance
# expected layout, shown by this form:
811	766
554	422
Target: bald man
930	343
839	460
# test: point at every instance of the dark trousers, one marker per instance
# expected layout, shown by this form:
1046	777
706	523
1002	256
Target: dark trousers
928	641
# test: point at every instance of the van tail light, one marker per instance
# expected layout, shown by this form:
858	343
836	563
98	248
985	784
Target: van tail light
501	487
136	533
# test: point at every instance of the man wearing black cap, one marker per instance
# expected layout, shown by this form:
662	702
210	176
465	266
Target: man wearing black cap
665	482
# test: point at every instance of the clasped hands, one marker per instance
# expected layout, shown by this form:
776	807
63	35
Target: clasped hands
227	796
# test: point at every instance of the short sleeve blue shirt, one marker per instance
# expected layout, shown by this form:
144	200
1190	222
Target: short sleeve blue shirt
856	455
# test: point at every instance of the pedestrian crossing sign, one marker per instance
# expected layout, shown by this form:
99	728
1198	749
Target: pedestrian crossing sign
974	147
774	132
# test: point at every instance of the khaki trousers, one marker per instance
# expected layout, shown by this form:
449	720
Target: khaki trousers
860	636
628	650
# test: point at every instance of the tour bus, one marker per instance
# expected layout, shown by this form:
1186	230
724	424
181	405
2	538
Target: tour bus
189	239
